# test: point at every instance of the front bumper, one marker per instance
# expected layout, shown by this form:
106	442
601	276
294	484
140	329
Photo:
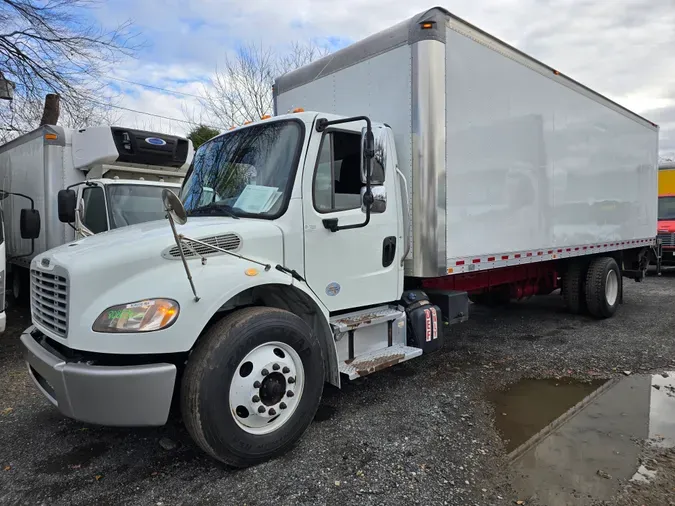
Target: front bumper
136	395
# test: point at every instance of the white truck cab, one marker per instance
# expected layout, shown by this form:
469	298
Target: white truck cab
107	204
323	246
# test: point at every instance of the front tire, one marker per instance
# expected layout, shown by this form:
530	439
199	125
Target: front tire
252	386
603	287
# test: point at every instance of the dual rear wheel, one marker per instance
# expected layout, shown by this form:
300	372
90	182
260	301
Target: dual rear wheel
594	288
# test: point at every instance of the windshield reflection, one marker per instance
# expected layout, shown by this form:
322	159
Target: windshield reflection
244	173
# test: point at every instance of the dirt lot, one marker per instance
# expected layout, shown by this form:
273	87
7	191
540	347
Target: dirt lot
420	433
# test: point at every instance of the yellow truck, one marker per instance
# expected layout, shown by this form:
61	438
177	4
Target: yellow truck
666	213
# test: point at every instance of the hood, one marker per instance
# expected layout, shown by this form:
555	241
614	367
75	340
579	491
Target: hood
128	247
666	227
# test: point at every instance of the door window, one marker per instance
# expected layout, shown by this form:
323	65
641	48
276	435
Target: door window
95	216
337	178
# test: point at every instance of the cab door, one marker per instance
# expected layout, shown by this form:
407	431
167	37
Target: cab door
359	266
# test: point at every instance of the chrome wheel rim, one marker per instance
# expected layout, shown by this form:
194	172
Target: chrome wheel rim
266	388
611	287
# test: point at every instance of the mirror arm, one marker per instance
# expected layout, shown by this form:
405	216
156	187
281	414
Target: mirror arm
369	153
32	202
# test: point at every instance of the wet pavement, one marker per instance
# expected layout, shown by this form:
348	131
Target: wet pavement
579	442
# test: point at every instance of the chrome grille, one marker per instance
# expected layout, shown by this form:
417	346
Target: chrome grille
667	239
228	242
49	301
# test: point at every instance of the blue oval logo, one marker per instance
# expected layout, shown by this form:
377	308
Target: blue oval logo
155	141
332	289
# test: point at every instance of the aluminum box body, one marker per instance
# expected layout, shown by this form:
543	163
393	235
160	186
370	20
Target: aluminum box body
507	160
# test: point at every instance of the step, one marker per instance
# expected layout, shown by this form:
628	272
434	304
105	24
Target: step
378	360
364	318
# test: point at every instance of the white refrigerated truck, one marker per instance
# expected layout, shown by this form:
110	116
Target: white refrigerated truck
115	176
440	164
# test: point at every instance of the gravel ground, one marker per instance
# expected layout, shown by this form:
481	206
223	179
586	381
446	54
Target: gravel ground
418	433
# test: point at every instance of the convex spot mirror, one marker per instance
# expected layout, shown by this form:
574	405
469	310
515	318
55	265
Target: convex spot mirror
379	199
174	206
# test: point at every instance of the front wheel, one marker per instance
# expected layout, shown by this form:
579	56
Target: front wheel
252	385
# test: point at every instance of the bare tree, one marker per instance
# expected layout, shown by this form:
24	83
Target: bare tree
48	47
241	90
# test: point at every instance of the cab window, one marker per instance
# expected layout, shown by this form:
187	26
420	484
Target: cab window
95	217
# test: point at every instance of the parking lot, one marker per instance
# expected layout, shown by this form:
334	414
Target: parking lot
419	433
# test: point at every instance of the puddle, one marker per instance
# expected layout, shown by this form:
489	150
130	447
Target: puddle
575	442
530	405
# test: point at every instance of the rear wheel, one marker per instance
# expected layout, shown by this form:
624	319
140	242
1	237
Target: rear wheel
574	288
20	286
603	287
252	386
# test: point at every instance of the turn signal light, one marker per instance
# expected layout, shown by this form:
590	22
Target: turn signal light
298	109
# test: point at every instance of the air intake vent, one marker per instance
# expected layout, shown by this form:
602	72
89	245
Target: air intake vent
230	242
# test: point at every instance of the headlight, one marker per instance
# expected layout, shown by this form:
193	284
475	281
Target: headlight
142	316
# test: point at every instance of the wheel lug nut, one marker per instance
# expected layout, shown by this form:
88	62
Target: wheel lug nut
282	405
256	384
272	412
289	394
256	398
285	370
261	409
291	380
276	367
264	372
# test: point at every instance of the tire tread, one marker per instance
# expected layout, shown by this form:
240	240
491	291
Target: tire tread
573	288
199	363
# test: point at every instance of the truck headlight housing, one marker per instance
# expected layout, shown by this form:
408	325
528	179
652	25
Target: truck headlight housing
142	316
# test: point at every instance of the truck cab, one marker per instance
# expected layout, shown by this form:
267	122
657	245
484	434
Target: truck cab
666	212
107	204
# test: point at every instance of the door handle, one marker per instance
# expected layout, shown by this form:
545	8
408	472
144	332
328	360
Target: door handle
388	251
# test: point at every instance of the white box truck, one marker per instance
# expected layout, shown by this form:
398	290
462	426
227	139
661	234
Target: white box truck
316	246
109	177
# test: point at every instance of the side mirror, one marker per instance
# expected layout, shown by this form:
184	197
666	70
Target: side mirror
379	199
67	202
378	145
29	223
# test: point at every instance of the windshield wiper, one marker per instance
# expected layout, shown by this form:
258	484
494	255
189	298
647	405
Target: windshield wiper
214	208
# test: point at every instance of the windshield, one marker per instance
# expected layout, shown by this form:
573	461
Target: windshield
130	204
246	172
666	208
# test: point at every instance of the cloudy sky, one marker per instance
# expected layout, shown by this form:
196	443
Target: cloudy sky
624	49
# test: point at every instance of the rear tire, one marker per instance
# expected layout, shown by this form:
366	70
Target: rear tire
234	352
20	284
573	288
604	286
